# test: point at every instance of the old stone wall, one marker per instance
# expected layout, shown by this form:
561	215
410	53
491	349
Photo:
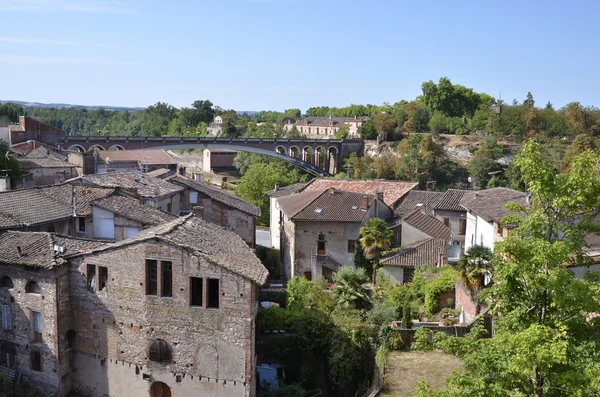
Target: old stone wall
22	305
467	300
119	323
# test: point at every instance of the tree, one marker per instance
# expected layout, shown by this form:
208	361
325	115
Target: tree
350	291
376	238
367	130
384	123
9	166
342	132
545	343
529	100
581	144
421	119
474	265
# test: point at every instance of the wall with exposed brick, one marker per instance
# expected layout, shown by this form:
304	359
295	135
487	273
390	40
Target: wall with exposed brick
212	349
467	300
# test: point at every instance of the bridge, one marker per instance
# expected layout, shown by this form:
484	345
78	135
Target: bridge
321	157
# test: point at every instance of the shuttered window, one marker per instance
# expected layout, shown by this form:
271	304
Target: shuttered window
36	319
6	318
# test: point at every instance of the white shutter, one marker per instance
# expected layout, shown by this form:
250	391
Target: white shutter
37	322
193	197
6	317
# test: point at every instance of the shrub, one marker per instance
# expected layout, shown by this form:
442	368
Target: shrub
274	318
406	319
444	281
394	341
423	340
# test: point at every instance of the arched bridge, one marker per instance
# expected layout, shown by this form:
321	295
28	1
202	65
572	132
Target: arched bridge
322	157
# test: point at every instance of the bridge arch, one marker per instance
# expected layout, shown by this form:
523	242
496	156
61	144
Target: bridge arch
116	147
331	160
294	152
319	157
308	154
96	145
280	150
77	148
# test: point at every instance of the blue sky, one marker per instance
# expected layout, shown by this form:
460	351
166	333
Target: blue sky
278	54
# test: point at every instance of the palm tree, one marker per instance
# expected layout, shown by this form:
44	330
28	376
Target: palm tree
376	238
474	265
350	291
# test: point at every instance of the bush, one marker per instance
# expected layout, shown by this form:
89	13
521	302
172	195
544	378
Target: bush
423	340
406	319
394	341
434	288
274	318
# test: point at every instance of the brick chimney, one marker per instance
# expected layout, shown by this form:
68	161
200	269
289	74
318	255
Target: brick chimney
332	190
364	203
379	195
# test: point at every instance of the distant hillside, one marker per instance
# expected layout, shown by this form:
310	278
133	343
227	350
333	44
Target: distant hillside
67	105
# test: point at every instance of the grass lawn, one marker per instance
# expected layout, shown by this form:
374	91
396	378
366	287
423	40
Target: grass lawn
405	368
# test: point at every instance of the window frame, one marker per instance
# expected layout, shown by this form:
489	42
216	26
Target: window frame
151	283
211	283
194	283
462	226
166	274
35	357
81	219
37	320
91	277
6	317
193	194
351	246
102	275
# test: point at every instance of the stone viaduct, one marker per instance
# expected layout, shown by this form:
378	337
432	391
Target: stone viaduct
322	157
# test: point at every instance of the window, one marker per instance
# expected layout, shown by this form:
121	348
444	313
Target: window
91	277
102	277
81	225
6	282
321	244
447	222
6	318
193	197
195	291
408	275
212	295
36	361
7	354
351	246
169	207
151	277
167	278
32	288
462	227
159	351
36	325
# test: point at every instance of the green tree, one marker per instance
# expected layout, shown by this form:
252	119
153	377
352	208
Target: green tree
342	132
350	291
544	344
8	165
367	130
376	238
384	123
421	119
473	265
581	144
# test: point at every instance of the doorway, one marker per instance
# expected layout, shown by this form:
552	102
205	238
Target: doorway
160	389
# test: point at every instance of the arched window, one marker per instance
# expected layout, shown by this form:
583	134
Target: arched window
6	282
159	351
33	288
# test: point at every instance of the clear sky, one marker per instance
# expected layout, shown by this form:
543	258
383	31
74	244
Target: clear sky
278	54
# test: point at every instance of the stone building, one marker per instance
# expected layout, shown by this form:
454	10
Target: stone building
320	229
168	312
42	167
400	264
326	127
133	160
218	206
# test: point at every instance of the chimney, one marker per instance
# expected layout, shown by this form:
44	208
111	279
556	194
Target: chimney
276	187
379	195
332	190
364	203
19	251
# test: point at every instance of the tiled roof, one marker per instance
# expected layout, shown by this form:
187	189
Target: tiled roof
428	225
286	190
415	199
43	162
325	205
392	191
489	204
37	248
44	150
160	173
425	252
44	204
216	194
150	156
206	240
133	209
143	184
452	199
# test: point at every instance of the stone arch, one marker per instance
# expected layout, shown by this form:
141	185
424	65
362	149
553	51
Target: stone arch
308	154
319	157
331	160
77	148
100	147
32	288
280	150
294	152
159	351
6	282
160	389
116	147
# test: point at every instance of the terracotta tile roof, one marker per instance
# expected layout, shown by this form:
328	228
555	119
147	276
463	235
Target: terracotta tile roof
133	209
150	156
429	225
452	199
216	194
489	204
287	190
160	173
393	191
143	184
205	240
325	205
425	252
37	248
45	204
415	199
